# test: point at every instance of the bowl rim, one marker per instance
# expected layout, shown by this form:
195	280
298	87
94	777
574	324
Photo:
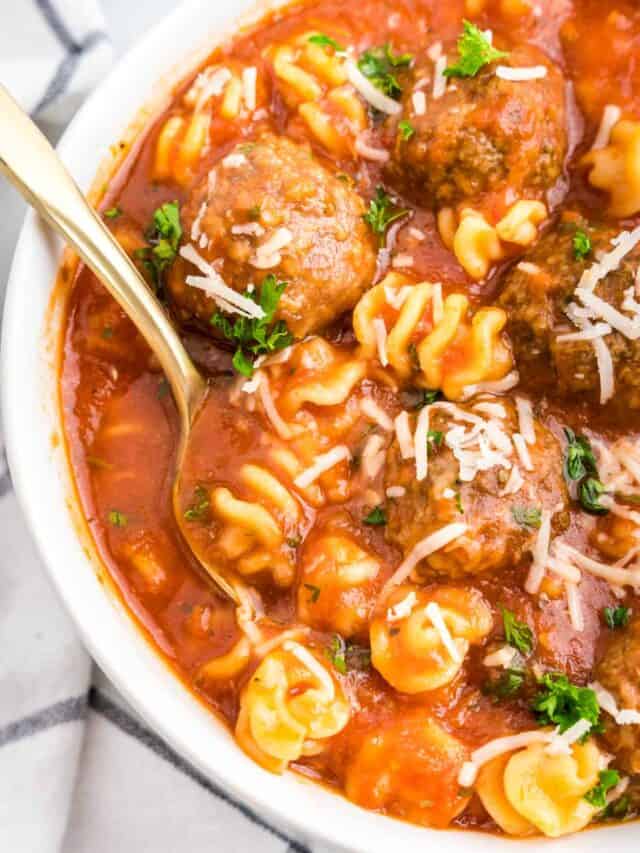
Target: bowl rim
108	630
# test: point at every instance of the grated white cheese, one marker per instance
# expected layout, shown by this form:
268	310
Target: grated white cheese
420	444
587	334
439	80
606	700
417	234
211	83
514	483
249	79
402	261
540	554
268	253
270	410
419	101
531	269
372	410
449	494
521	74
623	244
435	51
397	298
434	613
434	542
403	608
499	746
499	386
370	92
252	229
368	152
403	434
610	118
503	657
615	576
522	450
323	463
395	492
213	285
493	410
373	456
313	665
564	569
627	326
525	419
234	160
561	742
380	331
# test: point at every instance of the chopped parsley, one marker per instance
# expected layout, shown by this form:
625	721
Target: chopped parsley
579	457
113	212
376	518
434	441
163	236
506	685
619	809
517	634
561	703
474	52
616	617
580	466
597	796
200	506
406	130
527	516
428	398
379	64
581	245
336	652
458	500
255	336
326	41
382	212
314	593
591	490
118	519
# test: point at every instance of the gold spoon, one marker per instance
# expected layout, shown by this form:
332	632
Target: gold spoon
33	167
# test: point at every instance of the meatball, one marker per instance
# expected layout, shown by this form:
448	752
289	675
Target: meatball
502	521
483	134
619	672
269	207
536	294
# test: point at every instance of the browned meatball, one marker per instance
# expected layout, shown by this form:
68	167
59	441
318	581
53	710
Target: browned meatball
273	188
497	533
619	672
535	295
483	134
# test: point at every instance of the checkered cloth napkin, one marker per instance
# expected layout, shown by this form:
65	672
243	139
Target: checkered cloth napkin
80	772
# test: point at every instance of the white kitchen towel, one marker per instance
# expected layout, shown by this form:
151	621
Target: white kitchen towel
80	772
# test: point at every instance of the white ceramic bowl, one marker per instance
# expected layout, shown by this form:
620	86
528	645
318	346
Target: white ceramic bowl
41	480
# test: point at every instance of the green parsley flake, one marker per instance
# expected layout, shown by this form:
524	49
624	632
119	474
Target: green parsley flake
428	398
118	519
336	652
597	796
579	457
434	441
382	212
406	130
561	703
200	506
113	213
379	64
376	518
591	490
326	41
164	237
527	516
506	685
255	336
616	617
474	52
581	245
517	634
314	593
458	499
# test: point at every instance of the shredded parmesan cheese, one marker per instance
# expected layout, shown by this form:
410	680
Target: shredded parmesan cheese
522	450
499	746
373	456
419	101
403	434
268	254
380	331
323	463
434	542
234	161
420	444
607	702
499	386
313	665
574	604
503	657
434	613
370	92
372	410
514	483
540	554
610	118
517	75
214	286
249	78
395	492
402	261
270	410
368	152
561	743
403	608
525	419
439	80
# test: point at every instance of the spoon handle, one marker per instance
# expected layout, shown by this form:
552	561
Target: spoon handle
30	163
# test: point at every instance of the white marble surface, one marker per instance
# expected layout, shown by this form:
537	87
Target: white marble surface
127	21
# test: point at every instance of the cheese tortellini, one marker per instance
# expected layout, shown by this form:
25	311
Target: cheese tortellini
616	168
420	640
337	584
290	703
255	531
532	790
313	79
453	348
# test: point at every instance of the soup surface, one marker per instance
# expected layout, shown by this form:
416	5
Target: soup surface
401	240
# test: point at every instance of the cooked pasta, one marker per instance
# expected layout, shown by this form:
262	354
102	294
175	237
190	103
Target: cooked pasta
616	168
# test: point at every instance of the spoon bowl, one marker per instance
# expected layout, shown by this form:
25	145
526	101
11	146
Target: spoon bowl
29	162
